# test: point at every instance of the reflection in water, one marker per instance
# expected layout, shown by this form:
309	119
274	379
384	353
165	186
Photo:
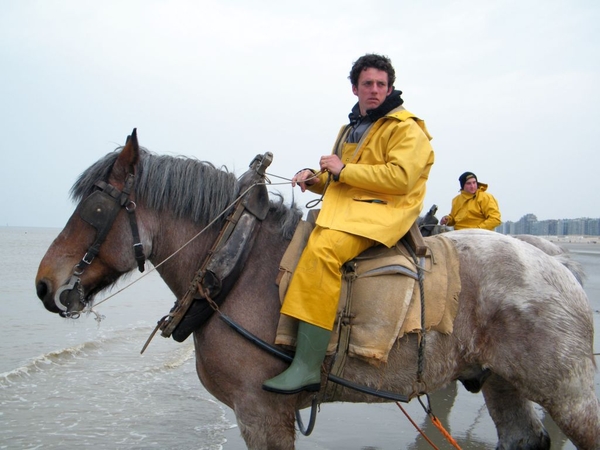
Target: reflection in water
557	437
441	403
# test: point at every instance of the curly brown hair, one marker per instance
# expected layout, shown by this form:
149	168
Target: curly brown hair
372	60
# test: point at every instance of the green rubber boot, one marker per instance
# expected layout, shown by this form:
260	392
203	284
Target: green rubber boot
304	374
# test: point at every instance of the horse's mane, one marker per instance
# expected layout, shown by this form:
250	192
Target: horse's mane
188	187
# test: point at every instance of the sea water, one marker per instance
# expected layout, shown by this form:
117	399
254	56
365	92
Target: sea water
78	383
72	383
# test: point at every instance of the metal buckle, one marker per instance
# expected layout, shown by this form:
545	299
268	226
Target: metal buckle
85	259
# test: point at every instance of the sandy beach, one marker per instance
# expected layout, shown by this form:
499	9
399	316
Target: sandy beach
567	240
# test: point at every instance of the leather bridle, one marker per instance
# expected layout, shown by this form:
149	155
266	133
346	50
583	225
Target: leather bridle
100	210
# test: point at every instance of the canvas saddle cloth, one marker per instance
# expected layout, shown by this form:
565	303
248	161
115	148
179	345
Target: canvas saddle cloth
380	299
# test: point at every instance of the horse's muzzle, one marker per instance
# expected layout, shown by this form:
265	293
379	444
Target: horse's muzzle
68	300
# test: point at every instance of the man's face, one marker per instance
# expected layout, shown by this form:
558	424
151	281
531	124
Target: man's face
471	185
372	89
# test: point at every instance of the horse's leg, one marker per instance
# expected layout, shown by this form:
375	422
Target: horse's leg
265	420
516	421
564	387
266	423
576	411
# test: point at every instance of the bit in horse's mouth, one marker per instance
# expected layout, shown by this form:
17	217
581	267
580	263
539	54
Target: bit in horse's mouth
82	304
73	300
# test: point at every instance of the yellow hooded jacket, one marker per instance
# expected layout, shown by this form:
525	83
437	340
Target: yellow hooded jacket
381	191
478	210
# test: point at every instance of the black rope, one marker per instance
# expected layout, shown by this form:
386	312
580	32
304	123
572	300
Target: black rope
311	422
421	352
288	358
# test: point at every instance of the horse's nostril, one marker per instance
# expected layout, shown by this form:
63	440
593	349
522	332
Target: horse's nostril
41	289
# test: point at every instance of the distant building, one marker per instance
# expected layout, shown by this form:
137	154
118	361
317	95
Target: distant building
528	224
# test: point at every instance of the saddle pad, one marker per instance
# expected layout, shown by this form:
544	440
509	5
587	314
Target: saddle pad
380	297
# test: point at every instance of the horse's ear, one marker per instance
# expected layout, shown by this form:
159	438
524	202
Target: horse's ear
128	157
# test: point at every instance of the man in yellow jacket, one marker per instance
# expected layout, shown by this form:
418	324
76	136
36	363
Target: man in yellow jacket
474	207
373	188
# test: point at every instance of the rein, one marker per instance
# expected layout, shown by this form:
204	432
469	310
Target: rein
74	281
100	210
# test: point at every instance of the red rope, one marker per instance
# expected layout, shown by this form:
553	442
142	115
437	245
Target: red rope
416	426
447	435
437	424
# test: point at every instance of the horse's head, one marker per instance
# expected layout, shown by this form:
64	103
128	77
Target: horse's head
99	243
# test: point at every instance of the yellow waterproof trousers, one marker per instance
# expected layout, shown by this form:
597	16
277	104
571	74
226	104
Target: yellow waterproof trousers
314	290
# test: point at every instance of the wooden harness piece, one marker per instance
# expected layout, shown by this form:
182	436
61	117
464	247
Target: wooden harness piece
415	239
222	265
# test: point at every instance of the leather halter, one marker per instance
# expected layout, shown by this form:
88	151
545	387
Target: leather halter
100	210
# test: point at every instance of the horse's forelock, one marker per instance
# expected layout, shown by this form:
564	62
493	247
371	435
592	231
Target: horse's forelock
100	170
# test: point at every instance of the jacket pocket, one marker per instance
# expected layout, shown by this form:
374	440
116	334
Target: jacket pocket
371	200
364	196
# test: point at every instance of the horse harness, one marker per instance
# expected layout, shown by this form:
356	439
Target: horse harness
224	262
100	210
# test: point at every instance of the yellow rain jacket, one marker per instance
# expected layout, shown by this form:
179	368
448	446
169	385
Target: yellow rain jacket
478	210
381	191
378	196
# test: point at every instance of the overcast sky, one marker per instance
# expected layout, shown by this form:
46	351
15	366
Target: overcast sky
509	90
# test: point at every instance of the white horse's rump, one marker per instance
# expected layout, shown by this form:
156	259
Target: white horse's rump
534	331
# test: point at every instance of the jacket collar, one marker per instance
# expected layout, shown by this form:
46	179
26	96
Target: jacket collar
391	102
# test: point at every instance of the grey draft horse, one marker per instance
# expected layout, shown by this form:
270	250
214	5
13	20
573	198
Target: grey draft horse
429	226
523	331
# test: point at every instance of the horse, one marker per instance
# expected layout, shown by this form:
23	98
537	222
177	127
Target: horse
523	332
429	226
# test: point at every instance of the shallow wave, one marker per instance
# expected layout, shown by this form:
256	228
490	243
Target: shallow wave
42	362
180	357
65	356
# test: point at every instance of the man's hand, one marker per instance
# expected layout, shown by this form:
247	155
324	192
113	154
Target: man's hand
305	178
331	164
